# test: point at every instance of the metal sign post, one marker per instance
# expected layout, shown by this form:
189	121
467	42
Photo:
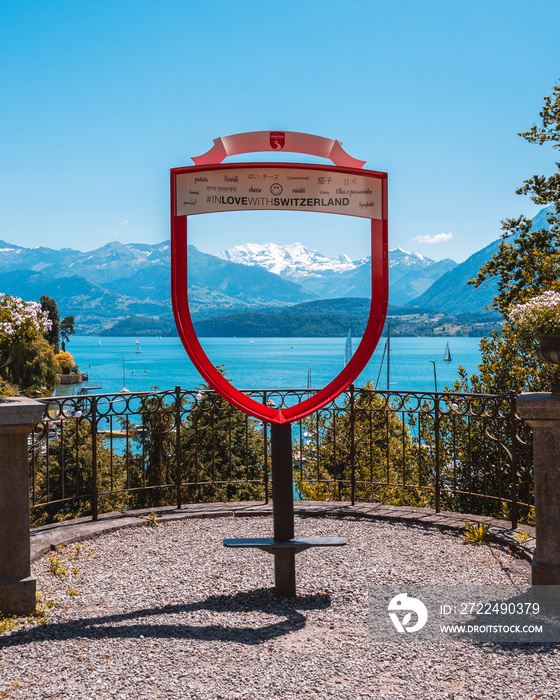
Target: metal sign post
284	545
343	188
283	509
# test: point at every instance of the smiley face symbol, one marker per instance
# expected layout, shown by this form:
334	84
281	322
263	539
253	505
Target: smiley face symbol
276	188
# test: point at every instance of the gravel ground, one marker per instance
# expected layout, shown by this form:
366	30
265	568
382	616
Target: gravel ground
169	612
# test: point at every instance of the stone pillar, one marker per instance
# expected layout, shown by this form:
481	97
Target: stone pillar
18	416
542	413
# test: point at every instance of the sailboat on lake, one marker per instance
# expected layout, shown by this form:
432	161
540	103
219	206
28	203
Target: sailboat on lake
386	351
348	348
447	355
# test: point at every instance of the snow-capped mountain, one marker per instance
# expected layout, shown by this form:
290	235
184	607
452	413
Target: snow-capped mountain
409	273
293	261
116	280
112	261
296	259
398	256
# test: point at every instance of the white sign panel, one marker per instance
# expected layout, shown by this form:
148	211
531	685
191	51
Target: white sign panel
266	188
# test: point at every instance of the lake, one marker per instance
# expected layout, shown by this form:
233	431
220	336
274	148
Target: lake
267	363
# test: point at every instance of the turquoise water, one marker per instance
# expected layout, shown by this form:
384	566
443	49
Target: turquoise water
267	363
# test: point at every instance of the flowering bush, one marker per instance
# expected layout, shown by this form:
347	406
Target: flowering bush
538	316
21	320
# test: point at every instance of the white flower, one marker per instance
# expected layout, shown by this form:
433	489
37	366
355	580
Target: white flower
21	319
539	315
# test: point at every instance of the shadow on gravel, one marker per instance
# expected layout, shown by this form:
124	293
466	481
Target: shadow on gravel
134	624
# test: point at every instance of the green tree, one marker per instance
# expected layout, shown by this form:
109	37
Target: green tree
33	367
66	330
223	450
473	439
528	261
363	444
526	264
221	453
508	363
26	359
64	472
150	452
52	334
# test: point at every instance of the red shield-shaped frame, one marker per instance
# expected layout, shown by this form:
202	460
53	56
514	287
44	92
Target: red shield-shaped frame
183	320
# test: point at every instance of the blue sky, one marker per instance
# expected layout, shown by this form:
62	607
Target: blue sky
100	99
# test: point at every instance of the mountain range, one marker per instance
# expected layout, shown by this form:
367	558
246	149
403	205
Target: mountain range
452	294
117	281
103	287
410	274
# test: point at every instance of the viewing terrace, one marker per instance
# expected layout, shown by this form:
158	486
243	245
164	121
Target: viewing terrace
132	494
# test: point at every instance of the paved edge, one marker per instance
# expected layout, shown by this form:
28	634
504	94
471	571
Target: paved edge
49	537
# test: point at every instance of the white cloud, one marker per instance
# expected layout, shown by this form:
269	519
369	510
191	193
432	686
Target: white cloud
438	238
123	223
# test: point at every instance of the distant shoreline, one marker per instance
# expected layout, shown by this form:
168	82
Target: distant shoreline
326	318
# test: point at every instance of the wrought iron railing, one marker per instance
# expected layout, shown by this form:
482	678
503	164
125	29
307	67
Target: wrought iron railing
447	451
